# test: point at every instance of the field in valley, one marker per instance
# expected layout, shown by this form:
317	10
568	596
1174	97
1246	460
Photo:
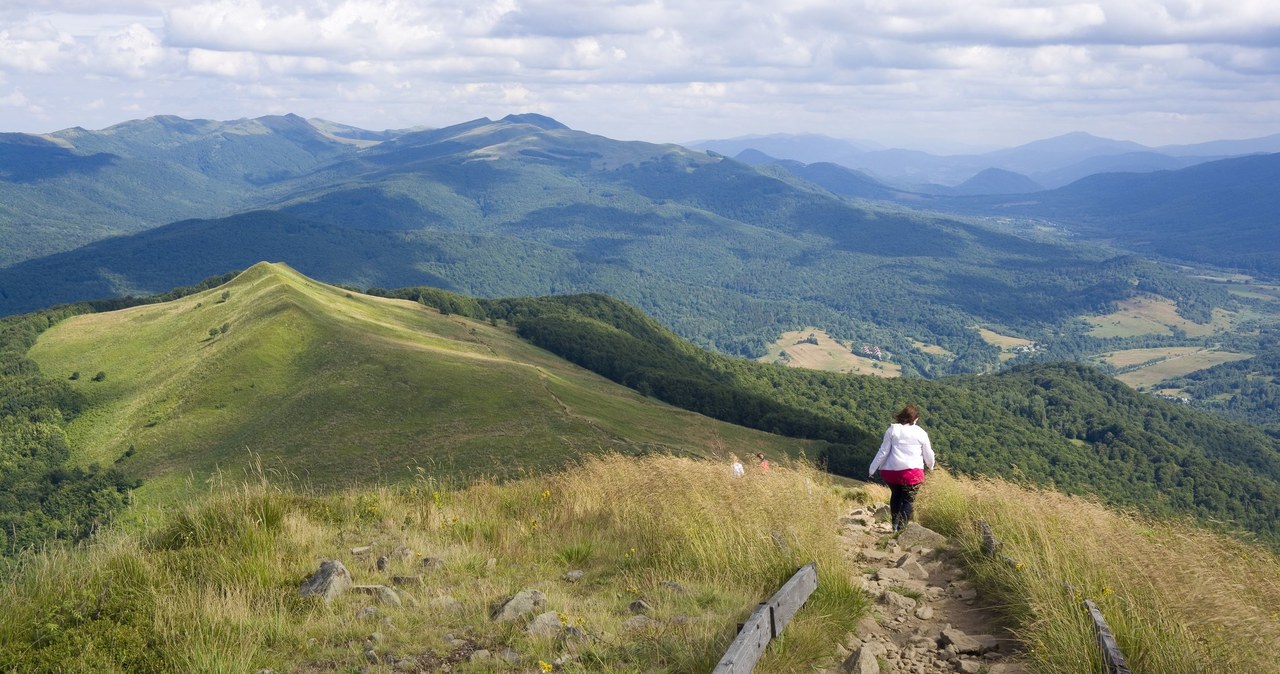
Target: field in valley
1166	363
828	354
1152	315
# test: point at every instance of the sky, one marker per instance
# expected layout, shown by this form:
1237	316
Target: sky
938	75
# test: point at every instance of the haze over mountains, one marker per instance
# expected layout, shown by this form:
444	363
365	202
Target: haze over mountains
1049	163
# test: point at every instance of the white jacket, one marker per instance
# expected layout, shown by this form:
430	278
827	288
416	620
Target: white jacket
905	446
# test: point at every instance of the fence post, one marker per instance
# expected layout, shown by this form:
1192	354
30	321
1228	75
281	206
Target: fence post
768	621
1113	661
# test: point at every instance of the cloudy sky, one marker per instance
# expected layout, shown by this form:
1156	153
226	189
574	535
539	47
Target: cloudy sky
929	74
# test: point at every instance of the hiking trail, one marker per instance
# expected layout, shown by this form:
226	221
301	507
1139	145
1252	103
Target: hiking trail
927	619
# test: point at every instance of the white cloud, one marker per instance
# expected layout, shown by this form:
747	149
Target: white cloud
35	46
664	69
14	99
233	65
130	52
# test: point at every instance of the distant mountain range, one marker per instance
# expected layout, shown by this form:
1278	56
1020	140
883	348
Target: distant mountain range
727	253
1049	163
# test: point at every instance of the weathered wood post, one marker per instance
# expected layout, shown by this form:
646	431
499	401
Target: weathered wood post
767	622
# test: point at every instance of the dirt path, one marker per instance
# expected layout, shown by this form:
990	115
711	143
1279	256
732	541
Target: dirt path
927	618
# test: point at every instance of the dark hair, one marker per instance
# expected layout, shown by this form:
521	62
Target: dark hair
908	415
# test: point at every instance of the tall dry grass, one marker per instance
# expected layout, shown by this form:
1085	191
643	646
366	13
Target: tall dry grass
212	586
1178	598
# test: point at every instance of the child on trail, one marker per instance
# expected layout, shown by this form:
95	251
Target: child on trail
738	469
764	463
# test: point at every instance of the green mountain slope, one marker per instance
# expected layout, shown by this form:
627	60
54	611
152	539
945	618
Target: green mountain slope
339	388
66	189
728	255
1221	213
1063	425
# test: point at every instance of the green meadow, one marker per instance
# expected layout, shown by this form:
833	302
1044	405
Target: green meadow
337	388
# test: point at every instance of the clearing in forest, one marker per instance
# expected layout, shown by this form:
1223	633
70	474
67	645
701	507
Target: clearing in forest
1166	363
814	349
1154	315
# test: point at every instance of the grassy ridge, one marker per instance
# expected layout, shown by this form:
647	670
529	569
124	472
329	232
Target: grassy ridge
340	388
1056	424
212	585
1179	599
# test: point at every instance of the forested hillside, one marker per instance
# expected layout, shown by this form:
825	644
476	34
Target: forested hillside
44	495
1064	425
64	190
1221	213
727	255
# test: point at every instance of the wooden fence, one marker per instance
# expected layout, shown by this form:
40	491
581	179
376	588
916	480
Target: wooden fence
767	621
1113	661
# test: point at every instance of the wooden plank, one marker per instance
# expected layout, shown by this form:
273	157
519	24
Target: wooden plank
747	649
787	600
767	622
1112	658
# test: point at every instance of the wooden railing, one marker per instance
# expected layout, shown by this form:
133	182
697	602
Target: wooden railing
1113	661
767	621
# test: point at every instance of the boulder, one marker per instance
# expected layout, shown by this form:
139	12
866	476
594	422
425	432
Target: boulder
863	660
572	576
966	644
523	603
545	625
915	570
382	593
330	581
914	535
893	574
898	601
639	606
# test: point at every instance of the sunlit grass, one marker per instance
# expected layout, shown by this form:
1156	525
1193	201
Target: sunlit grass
212	586
1178	598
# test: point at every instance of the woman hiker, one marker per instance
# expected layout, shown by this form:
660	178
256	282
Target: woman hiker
903	456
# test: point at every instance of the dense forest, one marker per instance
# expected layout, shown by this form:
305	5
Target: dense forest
1063	425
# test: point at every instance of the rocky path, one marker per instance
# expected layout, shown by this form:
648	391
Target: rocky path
927	618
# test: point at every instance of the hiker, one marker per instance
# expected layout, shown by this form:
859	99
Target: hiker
738	470
904	454
764	463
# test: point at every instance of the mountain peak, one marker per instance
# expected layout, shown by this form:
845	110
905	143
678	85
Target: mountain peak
534	119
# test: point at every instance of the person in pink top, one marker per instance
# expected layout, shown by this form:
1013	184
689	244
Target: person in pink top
904	454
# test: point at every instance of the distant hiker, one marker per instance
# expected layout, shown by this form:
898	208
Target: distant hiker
904	454
738	470
764	463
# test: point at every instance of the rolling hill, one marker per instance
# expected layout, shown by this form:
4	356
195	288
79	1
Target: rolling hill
1221	213
338	388
727	254
62	190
